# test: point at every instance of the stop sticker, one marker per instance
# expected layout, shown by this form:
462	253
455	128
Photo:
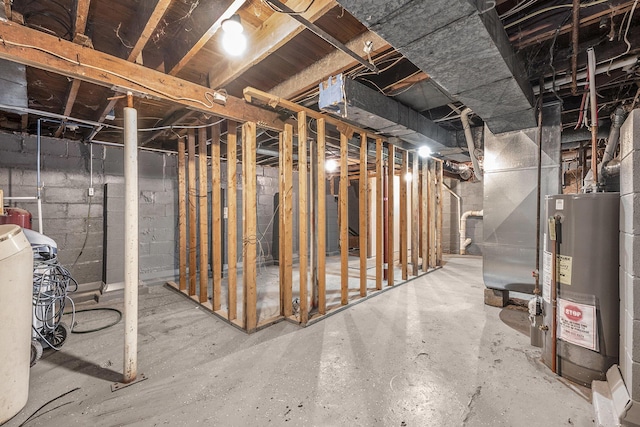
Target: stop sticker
573	312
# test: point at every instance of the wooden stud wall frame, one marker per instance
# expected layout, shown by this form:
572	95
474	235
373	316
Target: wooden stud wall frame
417	210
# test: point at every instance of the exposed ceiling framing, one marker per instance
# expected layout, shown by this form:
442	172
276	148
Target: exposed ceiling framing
82	54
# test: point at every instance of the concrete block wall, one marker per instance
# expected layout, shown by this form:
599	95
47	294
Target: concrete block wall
78	222
70	217
471	200
630	254
75	220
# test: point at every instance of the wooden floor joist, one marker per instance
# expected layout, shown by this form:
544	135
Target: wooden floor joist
193	213
56	55
232	220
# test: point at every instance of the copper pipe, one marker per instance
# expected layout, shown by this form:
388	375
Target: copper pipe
574	46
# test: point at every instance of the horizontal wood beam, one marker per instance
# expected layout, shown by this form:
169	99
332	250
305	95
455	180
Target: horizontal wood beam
37	49
277	30
334	63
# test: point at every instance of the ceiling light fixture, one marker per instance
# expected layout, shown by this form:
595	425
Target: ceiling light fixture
424	151
234	42
330	165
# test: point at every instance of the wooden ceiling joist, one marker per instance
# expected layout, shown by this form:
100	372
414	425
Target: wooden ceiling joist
334	63
149	19
277	30
184	58
149	23
80	24
36	49
7	9
79	27
71	99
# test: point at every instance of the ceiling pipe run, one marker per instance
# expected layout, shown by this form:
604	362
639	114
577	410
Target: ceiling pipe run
464	117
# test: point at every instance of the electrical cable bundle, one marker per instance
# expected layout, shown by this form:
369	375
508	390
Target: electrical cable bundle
51	285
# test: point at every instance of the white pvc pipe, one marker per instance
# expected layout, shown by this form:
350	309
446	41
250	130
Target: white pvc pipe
458	199
131	244
464	242
470	145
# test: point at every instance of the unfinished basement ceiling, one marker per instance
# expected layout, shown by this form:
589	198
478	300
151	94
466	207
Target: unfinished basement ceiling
433	57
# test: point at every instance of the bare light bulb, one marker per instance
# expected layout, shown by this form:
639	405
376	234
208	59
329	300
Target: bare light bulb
234	43
330	165
424	151
408	177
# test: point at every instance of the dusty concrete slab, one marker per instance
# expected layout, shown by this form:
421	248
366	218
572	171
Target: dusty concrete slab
428	353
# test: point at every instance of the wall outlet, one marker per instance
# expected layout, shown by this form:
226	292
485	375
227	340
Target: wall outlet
90	191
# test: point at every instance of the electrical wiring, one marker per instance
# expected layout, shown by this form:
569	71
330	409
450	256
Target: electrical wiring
517	8
51	285
100	328
547	9
278	10
626	32
208	96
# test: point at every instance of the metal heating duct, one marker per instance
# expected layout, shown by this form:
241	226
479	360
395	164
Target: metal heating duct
510	191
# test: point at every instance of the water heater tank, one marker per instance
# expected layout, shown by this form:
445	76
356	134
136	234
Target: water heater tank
587	285
16	216
16	287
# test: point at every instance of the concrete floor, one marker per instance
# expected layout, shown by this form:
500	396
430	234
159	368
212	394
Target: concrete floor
428	353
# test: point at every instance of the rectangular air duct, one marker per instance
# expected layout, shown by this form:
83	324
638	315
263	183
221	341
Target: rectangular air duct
371	109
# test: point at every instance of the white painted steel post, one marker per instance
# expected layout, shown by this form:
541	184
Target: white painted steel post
131	242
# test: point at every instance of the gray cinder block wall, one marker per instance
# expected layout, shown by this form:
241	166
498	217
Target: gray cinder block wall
471	196
630	256
70	217
75	220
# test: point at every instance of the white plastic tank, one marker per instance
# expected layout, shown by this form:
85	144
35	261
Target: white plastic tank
16	283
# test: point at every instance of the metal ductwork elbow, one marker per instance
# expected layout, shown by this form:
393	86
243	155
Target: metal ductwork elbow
610	167
464	117
458	168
